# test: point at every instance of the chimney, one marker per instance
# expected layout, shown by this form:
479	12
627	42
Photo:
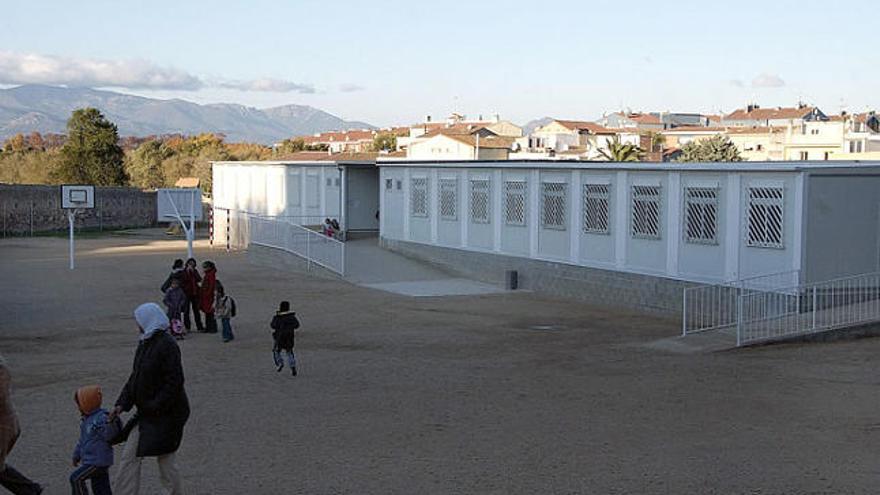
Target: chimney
752	106
427	119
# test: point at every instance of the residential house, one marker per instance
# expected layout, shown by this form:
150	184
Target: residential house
633	120
755	116
351	141
479	145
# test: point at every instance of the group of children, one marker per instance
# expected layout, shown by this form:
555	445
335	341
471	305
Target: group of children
178	300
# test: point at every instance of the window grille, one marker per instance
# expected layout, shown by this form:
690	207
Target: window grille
313	191
765	217
389	183
449	199
515	202
553	205
596	218
418	202
399	185
480	193
336	182
701	215
329	181
646	212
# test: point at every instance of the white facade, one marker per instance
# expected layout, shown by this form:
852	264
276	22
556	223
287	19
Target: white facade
695	222
304	192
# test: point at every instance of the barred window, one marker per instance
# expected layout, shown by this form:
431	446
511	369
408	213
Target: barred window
329	181
449	199
293	191
553	205
480	193
515	202
418	201
701	215
596	217
646	212
765	217
388	184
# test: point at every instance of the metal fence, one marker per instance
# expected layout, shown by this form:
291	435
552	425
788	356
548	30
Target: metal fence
715	306
312	246
766	315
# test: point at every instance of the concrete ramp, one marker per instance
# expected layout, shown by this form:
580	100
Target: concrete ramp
369	265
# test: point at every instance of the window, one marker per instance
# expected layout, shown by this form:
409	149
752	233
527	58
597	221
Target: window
389	183
759	147
399	185
293	190
553	205
480	193
515	202
701	215
418	202
646	212
596	198
329	182
805	155
336	181
449	199
826	156
313	191
765	217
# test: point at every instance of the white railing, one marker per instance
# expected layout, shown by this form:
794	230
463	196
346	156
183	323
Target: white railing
313	247
767	315
714	306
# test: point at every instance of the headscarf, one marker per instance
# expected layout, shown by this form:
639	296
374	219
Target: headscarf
151	319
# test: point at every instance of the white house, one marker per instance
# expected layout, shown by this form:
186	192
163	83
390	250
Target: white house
634	232
303	192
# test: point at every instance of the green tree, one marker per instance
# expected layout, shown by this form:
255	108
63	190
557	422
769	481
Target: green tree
714	149
384	141
91	154
615	151
144	164
291	146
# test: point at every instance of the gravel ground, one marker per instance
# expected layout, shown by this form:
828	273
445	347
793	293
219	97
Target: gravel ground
505	393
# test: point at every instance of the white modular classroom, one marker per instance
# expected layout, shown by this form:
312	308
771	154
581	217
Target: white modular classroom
707	222
303	192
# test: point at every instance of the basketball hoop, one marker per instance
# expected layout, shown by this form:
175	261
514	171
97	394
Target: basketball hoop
74	198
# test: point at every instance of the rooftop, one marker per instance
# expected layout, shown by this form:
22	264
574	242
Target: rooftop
872	166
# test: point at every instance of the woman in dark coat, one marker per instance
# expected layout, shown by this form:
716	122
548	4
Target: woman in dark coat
191	281
155	387
207	294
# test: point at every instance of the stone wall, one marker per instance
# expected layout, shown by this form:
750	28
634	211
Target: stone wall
611	288
26	209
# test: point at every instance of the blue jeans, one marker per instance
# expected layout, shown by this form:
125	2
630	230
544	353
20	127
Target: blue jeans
100	480
227	329
291	358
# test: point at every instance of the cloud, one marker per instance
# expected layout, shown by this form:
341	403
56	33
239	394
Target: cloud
737	83
350	88
29	68
766	80
268	85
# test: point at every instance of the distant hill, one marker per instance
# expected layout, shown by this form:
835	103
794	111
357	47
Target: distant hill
29	108
531	125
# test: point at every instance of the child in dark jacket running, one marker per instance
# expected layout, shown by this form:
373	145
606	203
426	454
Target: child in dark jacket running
283	325
93	453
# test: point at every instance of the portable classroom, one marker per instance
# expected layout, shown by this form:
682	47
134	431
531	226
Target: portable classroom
634	231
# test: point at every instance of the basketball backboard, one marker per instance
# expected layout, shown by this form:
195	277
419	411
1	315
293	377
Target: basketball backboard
76	196
179	203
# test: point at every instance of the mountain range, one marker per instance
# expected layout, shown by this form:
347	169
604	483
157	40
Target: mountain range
45	109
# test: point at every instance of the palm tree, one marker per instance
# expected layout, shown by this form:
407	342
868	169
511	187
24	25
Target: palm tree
615	151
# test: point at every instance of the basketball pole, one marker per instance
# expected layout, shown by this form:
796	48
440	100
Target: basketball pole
187	230
70	216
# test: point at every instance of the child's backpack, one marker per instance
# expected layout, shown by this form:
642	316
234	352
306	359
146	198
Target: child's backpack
232	307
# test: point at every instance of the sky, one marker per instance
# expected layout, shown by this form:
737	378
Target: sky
394	62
